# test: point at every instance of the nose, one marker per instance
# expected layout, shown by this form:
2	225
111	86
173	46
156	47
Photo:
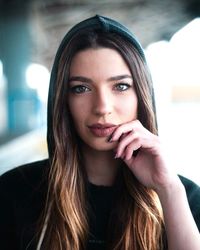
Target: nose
102	104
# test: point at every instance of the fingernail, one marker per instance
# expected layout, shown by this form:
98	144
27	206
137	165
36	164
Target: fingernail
110	138
116	156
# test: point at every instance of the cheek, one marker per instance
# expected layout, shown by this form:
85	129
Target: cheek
128	108
78	121
75	107
78	110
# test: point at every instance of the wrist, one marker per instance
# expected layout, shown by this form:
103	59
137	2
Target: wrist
172	189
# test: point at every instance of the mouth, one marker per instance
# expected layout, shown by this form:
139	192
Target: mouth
102	130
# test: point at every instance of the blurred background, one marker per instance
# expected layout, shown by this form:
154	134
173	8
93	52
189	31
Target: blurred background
30	33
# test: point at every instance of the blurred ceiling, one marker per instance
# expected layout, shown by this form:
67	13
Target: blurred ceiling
49	20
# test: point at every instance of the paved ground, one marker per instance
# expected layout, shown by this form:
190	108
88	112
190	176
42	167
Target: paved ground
27	148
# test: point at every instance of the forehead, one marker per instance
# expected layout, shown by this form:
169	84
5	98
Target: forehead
98	61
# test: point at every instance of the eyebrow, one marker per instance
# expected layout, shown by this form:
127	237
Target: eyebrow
85	79
80	79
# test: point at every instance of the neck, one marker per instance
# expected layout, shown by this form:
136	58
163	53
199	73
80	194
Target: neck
101	167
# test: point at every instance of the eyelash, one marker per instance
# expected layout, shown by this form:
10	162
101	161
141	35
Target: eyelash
126	85
79	89
76	89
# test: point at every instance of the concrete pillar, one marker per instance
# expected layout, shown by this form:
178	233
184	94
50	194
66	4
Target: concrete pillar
15	51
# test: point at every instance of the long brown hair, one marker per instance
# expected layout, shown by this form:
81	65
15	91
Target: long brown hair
140	220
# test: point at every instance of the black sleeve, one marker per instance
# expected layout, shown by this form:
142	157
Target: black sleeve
193	195
7	218
22	200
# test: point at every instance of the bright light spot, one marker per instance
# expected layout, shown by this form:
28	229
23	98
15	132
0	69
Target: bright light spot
187	36
37	77
185	48
177	62
155	54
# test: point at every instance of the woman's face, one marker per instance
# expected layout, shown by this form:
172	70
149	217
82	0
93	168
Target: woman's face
101	95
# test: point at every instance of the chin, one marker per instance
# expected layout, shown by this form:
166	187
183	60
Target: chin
101	145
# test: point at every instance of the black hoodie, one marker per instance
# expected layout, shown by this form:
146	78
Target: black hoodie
23	190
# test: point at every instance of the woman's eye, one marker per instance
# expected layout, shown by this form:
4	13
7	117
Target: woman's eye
122	86
79	89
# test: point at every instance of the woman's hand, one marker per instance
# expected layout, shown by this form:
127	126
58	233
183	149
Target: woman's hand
152	170
149	164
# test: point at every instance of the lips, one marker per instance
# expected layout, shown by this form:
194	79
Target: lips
102	130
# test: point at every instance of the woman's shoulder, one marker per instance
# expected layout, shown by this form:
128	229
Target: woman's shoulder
22	198
26	177
193	196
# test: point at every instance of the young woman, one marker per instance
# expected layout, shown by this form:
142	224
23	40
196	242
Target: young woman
107	183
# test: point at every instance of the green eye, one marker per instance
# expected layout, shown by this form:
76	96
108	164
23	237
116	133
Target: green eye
122	86
79	89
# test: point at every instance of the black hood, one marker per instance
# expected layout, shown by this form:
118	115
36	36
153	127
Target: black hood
98	23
